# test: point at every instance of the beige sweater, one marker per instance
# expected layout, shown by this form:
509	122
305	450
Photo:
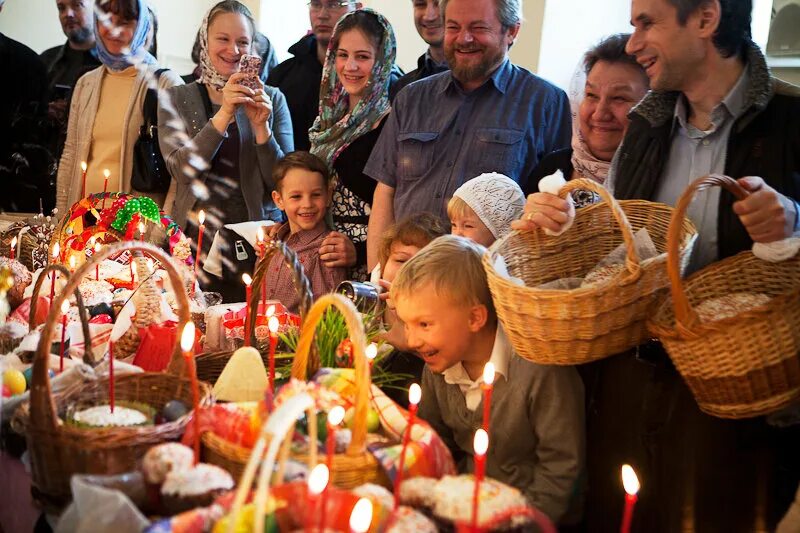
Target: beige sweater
83	111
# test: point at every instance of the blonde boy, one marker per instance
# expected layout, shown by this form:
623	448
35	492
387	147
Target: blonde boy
483	208
536	436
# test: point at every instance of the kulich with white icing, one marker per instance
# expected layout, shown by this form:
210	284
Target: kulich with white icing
101	416
160	460
195	481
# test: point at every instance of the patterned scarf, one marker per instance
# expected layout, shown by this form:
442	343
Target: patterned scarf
336	127
137	53
208	74
586	164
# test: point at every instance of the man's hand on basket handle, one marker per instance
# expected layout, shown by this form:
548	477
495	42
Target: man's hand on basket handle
544	210
766	214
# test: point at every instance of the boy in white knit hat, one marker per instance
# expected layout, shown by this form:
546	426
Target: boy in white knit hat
483	208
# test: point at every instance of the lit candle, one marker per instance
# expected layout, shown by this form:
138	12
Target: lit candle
13	247
141	231
480	444
64	311
335	417
274	324
201	218
97	247
111	374
371	352
106	174
72	262
361	516
187	347
83	179
130	266
317	481
248	292
631	484
414	396
56	255
488	381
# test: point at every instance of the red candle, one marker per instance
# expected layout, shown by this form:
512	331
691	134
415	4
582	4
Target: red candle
414	396
488	382
631	484
480	445
97	247
335	417
13	247
248	293
187	348
317	482
56	255
201	218
83	179
274	323
106	174
111	374
64	311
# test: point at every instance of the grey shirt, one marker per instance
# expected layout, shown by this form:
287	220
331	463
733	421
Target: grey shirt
536	434
438	136
695	153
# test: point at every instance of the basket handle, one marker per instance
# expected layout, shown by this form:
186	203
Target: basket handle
684	314
37	288
272	445
42	405
632	262
301	283
359	339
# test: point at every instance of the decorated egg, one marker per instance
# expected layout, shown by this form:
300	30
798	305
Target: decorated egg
15	381
173	410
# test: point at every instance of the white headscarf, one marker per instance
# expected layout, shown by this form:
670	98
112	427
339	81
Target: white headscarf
495	198
208	74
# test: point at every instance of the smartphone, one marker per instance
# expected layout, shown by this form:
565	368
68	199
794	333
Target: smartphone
250	65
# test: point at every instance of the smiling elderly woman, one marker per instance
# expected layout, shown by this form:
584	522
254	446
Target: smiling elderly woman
614	84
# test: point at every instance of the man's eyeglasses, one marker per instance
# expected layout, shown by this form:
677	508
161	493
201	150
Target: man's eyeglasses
330	5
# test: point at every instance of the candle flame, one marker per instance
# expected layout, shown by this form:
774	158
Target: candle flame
151	265
106	173
56	251
64	307
629	480
97	247
14	242
260	234
488	373
270	310
414	393
361	517
84	166
247	279
481	442
318	479
372	351
336	415
187	337
201	217
141	227
72	262
273	324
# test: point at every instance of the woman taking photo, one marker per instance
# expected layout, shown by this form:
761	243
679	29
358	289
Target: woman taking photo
107	105
237	133
354	104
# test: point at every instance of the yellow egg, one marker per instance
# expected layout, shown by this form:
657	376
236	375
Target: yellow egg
15	381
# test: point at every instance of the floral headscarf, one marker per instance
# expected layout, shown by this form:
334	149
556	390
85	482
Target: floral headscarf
586	164
208	74
336	127
137	53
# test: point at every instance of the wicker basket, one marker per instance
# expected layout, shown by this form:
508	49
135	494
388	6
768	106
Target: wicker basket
58	450
356	466
743	366
88	357
568	327
210	365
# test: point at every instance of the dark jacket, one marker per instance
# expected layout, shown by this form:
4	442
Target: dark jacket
64	66
765	141
425	67
299	78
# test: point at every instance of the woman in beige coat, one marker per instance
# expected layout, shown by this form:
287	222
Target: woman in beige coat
107	105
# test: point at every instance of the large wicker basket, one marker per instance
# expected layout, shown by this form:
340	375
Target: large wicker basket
567	327
210	365
743	366
59	450
357	465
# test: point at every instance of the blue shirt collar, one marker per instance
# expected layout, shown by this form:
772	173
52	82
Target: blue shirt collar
499	78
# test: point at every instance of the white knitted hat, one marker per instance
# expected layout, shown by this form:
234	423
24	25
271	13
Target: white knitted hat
495	198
